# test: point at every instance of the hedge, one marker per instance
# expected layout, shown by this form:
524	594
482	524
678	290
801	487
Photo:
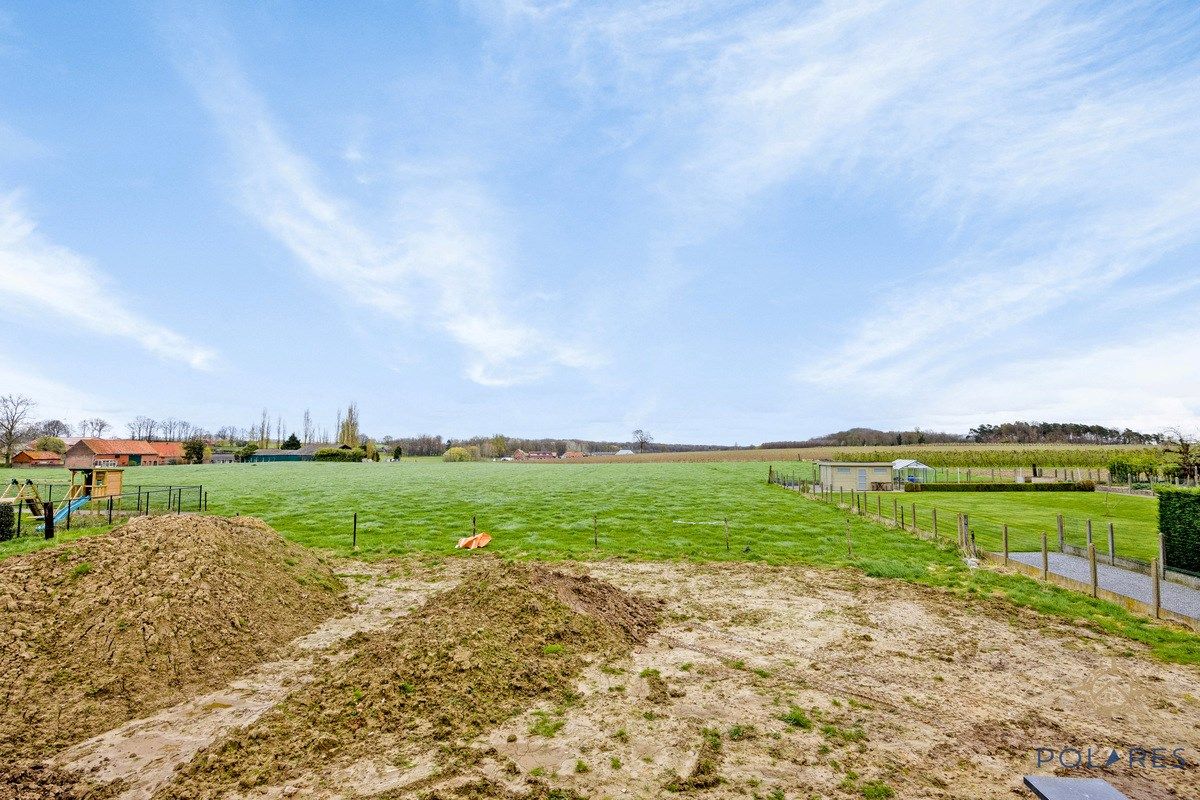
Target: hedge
1179	524
336	454
1062	486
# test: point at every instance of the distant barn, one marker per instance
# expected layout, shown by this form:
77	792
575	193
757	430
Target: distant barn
89	453
37	458
269	455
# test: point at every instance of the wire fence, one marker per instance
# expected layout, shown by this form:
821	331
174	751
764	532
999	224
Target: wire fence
58	513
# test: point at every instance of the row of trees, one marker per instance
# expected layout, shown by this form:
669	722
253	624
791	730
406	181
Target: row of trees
1058	433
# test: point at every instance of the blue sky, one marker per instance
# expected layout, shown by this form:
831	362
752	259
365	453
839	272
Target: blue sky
721	222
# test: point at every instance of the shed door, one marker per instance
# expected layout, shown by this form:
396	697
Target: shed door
862	479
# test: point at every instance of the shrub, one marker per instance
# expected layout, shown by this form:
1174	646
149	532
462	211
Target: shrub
51	444
337	454
1064	486
1179	524
7	525
460	454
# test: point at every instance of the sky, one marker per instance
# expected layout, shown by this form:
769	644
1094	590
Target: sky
718	222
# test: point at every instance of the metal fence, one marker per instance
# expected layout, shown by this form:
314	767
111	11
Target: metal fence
101	512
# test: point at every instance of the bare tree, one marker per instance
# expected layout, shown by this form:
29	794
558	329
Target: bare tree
14	422
264	429
348	432
142	428
642	439
308	427
93	426
53	427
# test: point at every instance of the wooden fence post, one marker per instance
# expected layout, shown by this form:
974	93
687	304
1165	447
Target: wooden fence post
1062	534
1089	533
935	530
1156	588
849	542
1092	569
914	518
48	516
354	535
1112	545
1006	545
1045	558
1162	555
966	527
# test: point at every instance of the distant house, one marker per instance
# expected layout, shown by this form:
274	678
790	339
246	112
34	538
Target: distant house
37	458
623	452
860	476
305	453
89	453
574	454
537	455
222	458
169	452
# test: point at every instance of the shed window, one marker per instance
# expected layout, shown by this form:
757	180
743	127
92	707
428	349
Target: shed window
843	470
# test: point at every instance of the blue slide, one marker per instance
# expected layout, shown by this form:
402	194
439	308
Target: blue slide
67	508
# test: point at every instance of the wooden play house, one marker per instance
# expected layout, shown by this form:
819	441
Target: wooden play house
96	482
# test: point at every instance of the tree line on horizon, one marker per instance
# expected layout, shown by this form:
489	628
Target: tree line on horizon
18	426
1003	433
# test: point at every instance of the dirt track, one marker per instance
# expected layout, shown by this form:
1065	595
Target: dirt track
887	686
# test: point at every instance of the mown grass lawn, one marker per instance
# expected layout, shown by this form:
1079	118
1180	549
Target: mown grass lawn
1029	514
642	511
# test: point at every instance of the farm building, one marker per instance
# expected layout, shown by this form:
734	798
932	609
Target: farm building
537	455
305	453
37	458
89	453
625	452
860	476
222	458
909	470
574	454
169	452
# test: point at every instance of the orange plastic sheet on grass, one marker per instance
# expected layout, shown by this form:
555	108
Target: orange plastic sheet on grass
474	542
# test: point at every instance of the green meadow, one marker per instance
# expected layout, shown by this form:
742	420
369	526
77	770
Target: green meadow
587	511
1029	514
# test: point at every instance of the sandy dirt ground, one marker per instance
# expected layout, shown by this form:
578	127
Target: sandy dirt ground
760	682
141	756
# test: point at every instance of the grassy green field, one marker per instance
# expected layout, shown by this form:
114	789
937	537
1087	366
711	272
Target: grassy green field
642	511
1029	514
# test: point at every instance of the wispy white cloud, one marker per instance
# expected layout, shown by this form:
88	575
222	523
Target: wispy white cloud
1057	149
435	261
41	277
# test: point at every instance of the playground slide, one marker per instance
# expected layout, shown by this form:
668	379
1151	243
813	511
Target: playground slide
67	508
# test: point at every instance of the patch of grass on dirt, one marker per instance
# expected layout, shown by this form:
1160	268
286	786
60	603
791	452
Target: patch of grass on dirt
797	718
474	656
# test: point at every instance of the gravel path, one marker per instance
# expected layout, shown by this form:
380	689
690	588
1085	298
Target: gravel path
1180	599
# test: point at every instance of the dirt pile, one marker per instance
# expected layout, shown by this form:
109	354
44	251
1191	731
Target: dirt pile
106	629
471	657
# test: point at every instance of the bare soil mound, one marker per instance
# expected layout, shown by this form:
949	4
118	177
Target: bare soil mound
508	636
109	628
